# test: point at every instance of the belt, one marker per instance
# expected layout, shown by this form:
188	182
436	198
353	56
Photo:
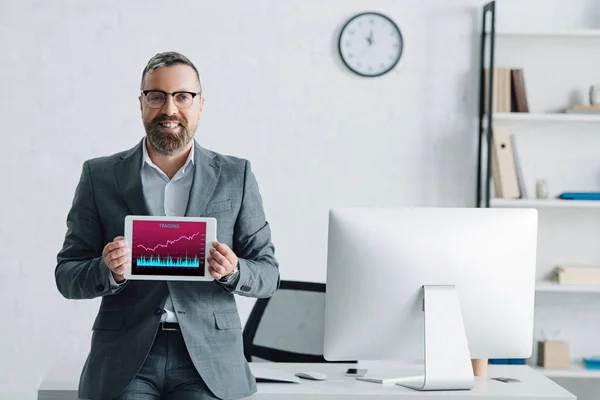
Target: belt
170	326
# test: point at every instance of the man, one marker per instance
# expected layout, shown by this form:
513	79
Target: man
177	339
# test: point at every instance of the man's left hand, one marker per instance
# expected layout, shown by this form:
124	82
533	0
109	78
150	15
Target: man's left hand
222	260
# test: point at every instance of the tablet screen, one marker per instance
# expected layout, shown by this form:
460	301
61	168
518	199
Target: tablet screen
168	248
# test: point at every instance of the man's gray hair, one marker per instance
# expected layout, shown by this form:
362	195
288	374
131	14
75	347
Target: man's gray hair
168	59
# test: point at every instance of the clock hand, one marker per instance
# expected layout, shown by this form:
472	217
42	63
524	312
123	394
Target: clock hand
370	38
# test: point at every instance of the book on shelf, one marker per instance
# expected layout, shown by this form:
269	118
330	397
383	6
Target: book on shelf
518	167
518	93
584	109
577	274
509	94
504	168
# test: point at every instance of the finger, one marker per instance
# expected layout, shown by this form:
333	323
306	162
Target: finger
218	268
226	252
118	242
114	245
221	261
220	258
121	269
221	248
214	273
117	262
114	254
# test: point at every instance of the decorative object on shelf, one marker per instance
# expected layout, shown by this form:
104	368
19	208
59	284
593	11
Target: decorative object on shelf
553	353
592	362
579	196
595	95
370	44
541	189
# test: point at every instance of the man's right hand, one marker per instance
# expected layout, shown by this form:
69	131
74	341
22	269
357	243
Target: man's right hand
116	258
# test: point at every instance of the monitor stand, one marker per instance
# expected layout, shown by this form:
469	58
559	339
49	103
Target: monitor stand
447	358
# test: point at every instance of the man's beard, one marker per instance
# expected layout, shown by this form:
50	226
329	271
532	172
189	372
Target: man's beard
168	143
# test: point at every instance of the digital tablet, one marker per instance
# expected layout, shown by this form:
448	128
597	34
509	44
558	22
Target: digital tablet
169	248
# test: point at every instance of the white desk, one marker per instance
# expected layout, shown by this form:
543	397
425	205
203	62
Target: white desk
61	383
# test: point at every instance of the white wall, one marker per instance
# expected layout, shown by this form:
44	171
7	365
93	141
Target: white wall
276	93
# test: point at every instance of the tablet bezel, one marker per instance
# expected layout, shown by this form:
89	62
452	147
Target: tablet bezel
211	235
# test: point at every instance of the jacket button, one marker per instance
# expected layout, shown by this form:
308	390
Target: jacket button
100	287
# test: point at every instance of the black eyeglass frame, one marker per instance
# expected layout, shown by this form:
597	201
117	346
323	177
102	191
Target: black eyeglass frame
173	94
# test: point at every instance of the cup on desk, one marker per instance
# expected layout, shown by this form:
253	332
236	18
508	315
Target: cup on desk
480	366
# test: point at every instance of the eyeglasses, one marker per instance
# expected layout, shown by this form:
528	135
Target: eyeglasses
157	98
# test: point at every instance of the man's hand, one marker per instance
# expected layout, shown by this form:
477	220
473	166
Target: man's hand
222	260
116	258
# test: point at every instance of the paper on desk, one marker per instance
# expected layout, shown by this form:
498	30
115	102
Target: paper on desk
266	374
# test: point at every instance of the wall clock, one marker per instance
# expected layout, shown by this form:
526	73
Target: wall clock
370	44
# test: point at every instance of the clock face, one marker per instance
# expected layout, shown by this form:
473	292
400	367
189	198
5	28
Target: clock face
370	44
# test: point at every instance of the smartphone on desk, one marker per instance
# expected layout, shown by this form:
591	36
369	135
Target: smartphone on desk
356	372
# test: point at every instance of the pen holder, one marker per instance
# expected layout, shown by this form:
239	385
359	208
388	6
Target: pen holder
553	354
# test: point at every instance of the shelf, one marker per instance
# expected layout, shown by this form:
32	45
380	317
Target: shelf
547	203
576	370
548	286
543	117
553	34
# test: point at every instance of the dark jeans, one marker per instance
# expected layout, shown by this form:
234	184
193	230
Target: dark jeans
168	373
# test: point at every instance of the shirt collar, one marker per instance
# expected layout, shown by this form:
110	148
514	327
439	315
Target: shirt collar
147	160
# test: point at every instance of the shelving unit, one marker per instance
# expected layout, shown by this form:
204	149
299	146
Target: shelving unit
564	149
539	41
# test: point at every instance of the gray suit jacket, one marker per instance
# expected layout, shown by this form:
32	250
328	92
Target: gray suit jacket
110	188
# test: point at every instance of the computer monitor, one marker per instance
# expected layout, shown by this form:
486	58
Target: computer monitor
439	285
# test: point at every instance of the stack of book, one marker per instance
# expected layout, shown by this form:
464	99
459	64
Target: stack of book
577	274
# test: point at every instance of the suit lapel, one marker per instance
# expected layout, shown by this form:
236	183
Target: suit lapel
129	179
206	176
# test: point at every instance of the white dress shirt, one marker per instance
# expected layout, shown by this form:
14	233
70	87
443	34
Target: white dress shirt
168	197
